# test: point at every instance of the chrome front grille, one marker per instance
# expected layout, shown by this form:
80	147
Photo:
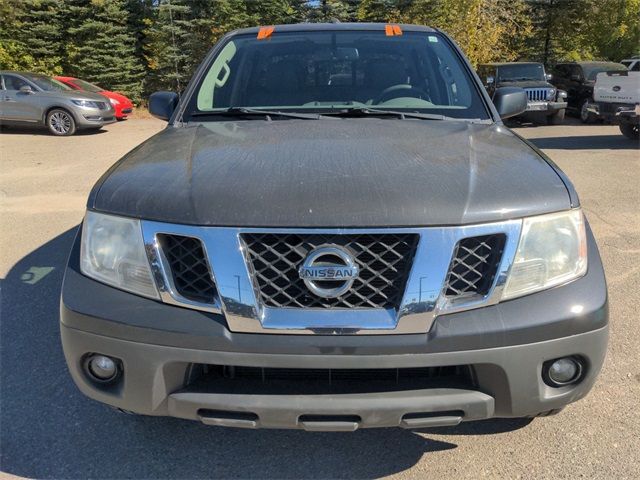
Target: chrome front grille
537	94
190	270
384	261
474	265
407	276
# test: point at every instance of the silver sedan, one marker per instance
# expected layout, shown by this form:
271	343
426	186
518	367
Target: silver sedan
39	100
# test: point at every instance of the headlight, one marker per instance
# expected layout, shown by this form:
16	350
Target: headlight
85	103
114	101
552	251
112	251
550	93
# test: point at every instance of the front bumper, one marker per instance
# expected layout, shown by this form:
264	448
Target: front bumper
94	117
509	384
505	346
550	107
617	113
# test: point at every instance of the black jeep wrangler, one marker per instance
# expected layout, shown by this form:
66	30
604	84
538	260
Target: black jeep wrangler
545	104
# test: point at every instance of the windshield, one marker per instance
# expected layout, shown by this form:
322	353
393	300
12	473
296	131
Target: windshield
525	71
324	71
46	83
89	87
590	71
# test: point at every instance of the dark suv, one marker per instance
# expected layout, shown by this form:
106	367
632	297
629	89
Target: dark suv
578	79
545	102
335	231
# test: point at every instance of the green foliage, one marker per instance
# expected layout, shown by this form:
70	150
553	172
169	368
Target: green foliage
99	45
31	35
138	46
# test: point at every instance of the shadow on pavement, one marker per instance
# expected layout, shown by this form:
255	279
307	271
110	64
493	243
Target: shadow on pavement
5	130
49	430
586	142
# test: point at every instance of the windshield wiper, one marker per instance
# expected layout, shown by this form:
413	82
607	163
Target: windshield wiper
365	111
235	111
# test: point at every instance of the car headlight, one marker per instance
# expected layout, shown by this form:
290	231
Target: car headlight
550	93
112	251
552	251
85	103
114	101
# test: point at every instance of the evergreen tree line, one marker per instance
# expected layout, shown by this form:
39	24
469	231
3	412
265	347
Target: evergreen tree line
139	46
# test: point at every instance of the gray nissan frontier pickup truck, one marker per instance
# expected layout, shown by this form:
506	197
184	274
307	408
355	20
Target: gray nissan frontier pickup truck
335	231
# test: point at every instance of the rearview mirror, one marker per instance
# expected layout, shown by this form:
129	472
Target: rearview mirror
548	76
510	101
26	89
490	80
162	104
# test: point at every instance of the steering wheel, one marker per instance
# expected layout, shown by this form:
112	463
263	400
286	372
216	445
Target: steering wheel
401	90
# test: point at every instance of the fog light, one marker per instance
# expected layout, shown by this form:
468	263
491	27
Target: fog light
562	371
101	368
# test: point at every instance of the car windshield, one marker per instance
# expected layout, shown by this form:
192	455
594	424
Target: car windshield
590	71
46	83
524	71
325	71
89	87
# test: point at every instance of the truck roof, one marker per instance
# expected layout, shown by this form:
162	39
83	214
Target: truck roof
310	27
500	64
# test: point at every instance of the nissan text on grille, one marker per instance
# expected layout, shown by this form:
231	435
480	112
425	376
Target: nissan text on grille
335	231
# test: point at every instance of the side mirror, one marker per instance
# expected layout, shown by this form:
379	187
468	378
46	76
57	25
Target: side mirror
548	76
26	89
490	80
162	104
510	101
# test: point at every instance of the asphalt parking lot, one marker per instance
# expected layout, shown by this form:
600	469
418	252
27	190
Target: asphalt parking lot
49	430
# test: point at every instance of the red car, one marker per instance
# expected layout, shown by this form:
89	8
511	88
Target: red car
121	104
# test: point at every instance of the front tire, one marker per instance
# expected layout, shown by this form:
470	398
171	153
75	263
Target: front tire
557	118
61	123
585	115
630	131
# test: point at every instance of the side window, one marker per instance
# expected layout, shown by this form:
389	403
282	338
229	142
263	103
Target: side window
13	83
561	71
576	70
636	67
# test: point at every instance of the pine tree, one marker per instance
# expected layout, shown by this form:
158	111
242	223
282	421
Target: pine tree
559	29
334	10
100	47
31	35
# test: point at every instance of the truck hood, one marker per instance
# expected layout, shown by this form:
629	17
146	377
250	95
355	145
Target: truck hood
360	172
76	95
525	84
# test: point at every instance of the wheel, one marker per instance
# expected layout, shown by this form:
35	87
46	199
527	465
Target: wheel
60	122
585	115
557	118
630	131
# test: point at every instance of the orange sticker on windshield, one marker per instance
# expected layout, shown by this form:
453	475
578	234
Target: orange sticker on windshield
391	30
265	32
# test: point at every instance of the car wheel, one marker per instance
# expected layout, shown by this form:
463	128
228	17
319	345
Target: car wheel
585	115
557	118
630	131
60	122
